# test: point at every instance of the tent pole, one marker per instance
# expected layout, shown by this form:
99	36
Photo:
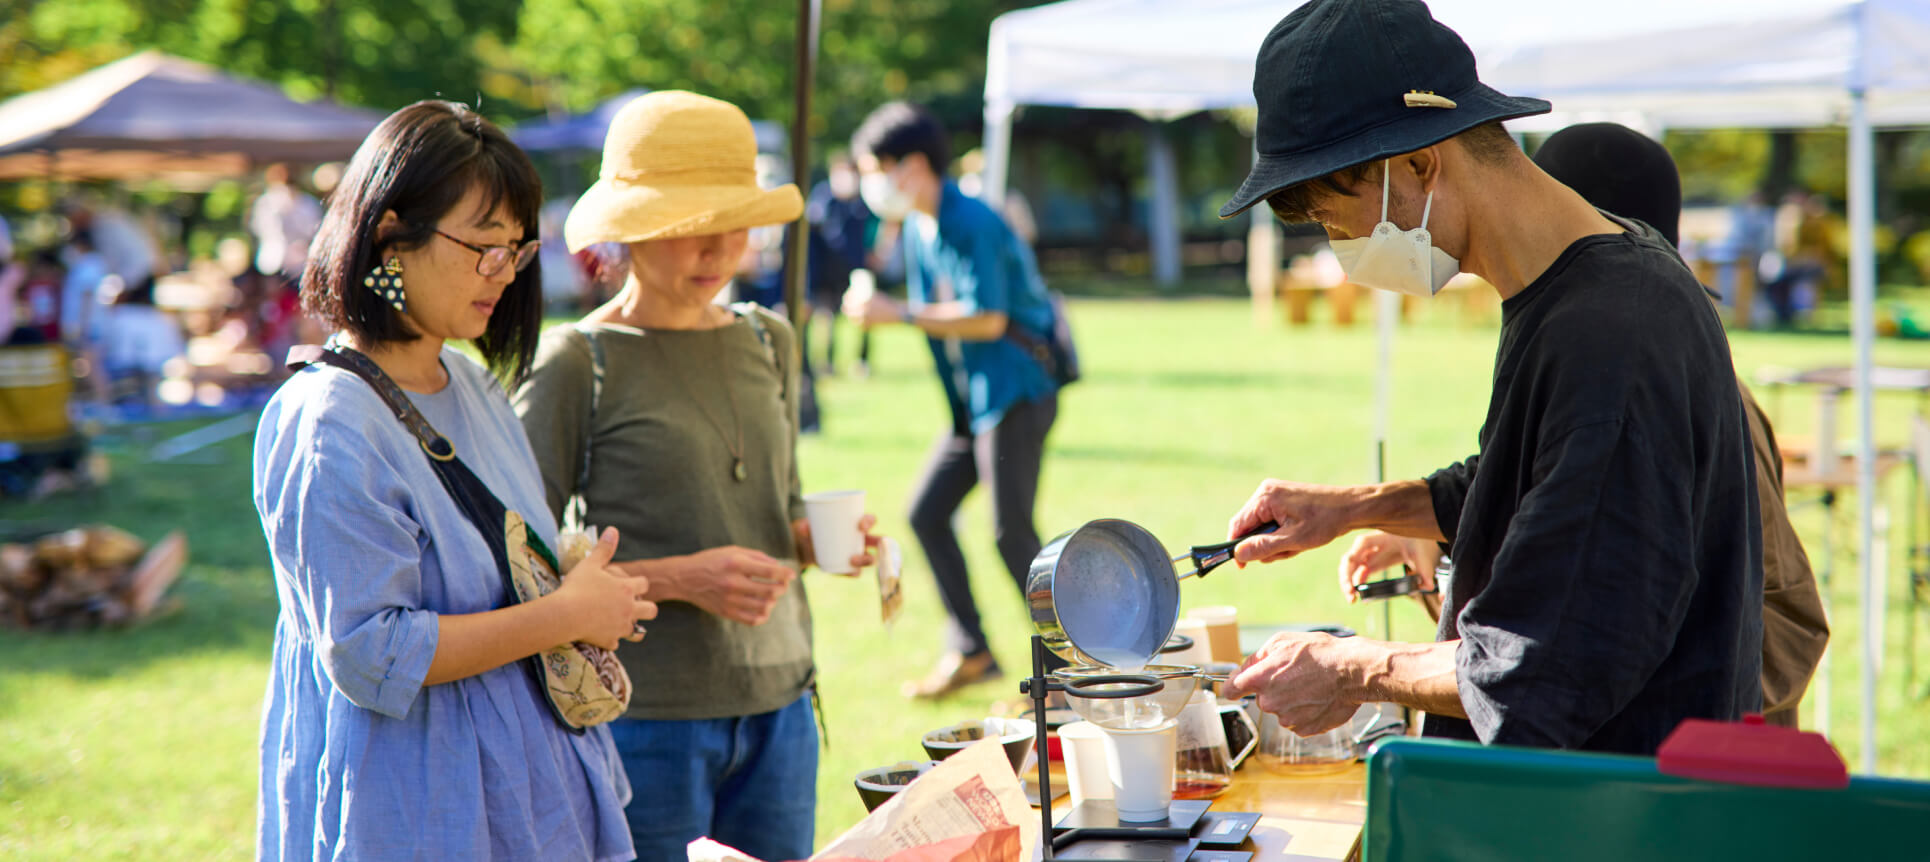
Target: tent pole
999	111
1863	332
1262	256
1162	216
998	153
1387	312
798	231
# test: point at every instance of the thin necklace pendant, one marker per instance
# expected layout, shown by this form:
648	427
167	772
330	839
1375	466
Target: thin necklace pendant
737	470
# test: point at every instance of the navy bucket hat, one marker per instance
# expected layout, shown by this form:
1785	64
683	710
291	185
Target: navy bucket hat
1345	82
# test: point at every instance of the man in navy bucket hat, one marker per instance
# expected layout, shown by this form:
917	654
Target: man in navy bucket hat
1608	555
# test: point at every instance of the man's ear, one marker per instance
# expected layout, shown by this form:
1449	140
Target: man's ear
1424	164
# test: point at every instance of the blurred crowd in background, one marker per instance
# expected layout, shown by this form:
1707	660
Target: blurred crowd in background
153	328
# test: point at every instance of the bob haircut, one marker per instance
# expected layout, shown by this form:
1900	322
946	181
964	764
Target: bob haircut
420	162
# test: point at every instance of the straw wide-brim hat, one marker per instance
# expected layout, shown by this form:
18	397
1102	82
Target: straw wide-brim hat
677	164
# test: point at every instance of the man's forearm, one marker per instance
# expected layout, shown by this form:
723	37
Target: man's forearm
951	320
1404	508
1420	676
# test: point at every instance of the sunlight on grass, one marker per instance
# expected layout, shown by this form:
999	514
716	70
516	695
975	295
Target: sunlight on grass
142	744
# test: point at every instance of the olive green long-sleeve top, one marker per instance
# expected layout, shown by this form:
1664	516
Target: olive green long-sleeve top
661	472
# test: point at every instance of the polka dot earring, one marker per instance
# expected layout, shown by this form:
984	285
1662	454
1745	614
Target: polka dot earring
386	281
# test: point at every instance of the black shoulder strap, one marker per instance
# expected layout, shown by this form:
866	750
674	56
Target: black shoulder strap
352	361
478	504
577	511
748	311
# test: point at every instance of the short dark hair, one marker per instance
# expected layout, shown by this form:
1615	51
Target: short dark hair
1489	143
897	129
1294	204
420	162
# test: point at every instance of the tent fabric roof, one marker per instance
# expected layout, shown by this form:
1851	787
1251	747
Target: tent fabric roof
1793	70
177	115
586	131
1724	62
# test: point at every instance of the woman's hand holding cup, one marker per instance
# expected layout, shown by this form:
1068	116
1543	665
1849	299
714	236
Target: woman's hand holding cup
835	533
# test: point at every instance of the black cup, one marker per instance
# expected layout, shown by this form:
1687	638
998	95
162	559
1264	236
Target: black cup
880	783
1015	735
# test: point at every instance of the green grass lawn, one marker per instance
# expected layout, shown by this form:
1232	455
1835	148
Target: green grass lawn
142	744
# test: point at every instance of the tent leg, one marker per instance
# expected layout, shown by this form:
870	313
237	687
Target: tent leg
1262	259
1863	331
998	152
798	232
1162	214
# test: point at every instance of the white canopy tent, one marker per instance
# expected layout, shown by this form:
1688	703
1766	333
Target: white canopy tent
1651	64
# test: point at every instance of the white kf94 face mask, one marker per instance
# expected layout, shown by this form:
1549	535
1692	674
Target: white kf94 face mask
1393	259
883	197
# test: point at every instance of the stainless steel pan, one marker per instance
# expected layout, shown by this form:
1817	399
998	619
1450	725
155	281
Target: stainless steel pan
1106	593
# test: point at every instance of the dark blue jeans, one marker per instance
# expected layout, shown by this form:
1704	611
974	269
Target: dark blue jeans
750	782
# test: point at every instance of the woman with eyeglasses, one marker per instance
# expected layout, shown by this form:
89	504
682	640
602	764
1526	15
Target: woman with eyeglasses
399	722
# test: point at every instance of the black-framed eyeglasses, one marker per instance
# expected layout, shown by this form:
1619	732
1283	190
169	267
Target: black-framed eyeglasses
492	258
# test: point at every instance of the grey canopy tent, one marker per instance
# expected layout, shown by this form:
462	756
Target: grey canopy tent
152	114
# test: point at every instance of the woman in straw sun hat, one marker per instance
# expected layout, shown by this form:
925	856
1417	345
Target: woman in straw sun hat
674	419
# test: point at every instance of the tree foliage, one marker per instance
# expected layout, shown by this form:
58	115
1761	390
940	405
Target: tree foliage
871	51
379	53
526	57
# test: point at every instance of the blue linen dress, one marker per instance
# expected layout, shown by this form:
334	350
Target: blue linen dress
360	760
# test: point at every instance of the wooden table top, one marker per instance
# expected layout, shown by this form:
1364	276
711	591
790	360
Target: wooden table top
1798	472
1840	377
1303	816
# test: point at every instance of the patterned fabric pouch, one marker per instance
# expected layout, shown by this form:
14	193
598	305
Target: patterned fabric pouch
587	685
583	684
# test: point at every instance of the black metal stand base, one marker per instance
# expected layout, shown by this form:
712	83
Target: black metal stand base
1039	685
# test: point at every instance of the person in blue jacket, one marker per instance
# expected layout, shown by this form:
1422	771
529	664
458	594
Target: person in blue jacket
974	290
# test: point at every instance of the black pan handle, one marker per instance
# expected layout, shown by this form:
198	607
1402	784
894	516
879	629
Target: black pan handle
1206	558
1408	583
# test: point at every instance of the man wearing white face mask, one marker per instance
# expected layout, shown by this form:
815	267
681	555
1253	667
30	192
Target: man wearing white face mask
1608	555
975	292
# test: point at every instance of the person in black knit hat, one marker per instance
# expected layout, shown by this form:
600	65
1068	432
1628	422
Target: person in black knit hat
1617	169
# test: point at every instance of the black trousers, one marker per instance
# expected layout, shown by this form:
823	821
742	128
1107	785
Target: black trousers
1006	459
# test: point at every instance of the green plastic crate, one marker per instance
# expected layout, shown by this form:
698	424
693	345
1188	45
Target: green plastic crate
1444	800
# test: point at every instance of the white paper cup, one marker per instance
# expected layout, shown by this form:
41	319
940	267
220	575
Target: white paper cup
834	516
862	286
1140	763
1087	775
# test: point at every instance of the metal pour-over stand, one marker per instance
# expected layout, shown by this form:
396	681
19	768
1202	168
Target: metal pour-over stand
1123	685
